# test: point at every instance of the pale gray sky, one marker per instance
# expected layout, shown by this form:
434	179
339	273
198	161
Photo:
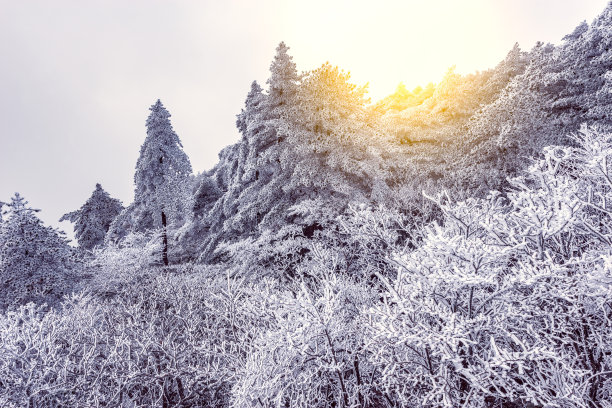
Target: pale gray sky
77	77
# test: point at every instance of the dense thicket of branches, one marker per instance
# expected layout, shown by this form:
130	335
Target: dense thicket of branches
448	246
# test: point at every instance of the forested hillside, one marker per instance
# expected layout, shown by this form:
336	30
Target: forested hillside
446	246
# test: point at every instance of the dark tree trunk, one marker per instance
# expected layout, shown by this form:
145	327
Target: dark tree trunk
165	237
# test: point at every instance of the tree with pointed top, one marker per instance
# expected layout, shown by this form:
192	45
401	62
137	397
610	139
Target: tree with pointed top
35	260
284	77
307	137
249	173
93	219
162	159
162	179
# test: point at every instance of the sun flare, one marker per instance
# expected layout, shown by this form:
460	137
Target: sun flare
418	41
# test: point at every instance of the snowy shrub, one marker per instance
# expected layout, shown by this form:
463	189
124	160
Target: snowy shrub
312	353
124	262
176	340
498	303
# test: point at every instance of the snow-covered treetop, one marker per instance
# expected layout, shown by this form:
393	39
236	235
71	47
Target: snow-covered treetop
254	100
255	91
18	205
578	31
284	75
162	179
161	155
92	220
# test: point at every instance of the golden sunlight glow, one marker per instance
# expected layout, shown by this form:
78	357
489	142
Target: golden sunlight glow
420	40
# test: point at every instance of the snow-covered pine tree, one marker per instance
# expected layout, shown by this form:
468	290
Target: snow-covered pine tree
162	161
162	179
162	172
250	173
561	88
307	138
93	219
331	132
35	260
284	77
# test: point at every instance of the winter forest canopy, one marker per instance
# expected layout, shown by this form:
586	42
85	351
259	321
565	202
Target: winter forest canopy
446	246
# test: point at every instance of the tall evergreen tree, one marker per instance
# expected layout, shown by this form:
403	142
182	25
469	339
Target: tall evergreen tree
162	180
162	160
249	173
93	219
35	260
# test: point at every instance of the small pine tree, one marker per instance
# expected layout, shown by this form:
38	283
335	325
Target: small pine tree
93	219
35	260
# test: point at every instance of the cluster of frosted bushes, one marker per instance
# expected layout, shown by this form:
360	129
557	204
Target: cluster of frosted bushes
506	302
166	341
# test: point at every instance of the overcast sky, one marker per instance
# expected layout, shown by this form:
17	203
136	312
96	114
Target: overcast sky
77	77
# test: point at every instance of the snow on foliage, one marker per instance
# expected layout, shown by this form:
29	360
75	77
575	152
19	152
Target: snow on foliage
446	247
163	183
35	260
497	304
162	167
93	219
161	179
